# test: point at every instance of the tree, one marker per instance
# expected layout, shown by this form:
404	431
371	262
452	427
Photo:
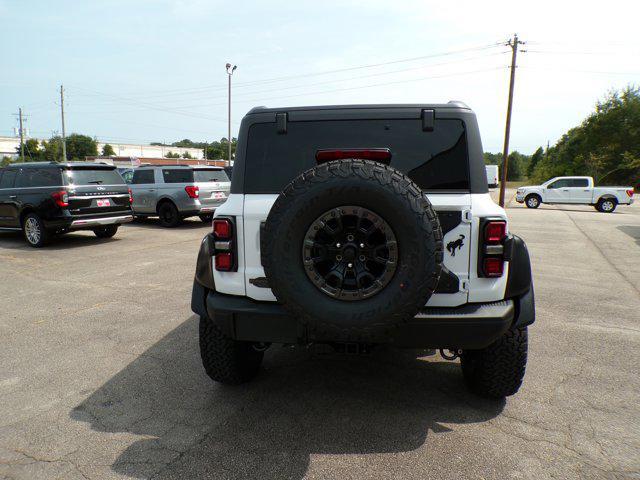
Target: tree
170	154
108	151
5	161
52	149
81	146
606	145
220	150
32	151
186	155
518	164
535	158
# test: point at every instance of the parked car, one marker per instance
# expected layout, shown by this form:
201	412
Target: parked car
493	178
175	192
44	199
575	190
342	228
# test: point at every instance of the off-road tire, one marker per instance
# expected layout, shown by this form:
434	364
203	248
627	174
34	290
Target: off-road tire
169	215
226	360
497	370
532	203
600	206
387	193
44	235
106	231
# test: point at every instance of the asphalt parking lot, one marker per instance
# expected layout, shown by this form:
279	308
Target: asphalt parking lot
100	375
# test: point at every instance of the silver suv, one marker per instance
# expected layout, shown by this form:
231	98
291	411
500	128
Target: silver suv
175	192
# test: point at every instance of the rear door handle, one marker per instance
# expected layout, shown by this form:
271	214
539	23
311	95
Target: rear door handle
586	190
565	189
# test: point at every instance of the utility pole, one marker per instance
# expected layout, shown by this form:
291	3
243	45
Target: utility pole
64	136
21	136
230	70
513	43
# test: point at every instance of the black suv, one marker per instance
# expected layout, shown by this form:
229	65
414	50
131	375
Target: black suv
43	199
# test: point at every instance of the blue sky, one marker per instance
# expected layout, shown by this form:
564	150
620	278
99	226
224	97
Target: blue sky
139	71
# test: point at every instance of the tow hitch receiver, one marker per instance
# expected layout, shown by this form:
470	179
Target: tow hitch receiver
450	354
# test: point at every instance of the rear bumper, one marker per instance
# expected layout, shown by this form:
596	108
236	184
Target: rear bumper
99	221
66	221
469	326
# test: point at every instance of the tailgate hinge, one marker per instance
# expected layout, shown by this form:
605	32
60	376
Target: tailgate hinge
467	216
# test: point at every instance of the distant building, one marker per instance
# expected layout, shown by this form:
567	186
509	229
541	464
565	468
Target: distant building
8	146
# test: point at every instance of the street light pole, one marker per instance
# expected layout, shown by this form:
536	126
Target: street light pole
230	70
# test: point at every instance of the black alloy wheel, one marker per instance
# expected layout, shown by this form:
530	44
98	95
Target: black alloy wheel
350	253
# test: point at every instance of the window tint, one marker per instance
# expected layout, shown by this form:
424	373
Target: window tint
177	175
143	176
579	182
7	179
210	175
95	176
434	160
39	177
127	175
559	183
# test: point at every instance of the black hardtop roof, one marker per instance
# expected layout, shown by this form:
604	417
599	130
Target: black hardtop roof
451	105
60	165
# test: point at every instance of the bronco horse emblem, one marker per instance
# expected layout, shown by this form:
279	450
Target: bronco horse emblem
451	246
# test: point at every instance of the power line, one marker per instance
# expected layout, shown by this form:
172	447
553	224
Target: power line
366	86
150	106
328	72
328	82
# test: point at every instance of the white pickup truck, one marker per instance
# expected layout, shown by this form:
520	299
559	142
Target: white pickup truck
575	190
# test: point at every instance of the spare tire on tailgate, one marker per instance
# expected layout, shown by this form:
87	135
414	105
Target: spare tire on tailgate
352	249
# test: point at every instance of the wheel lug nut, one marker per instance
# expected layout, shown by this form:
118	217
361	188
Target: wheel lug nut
338	257
338	245
362	258
350	238
362	245
350	265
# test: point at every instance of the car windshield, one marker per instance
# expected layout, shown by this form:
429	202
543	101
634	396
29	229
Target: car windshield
210	175
92	176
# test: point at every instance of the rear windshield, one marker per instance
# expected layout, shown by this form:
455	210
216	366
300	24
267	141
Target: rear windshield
210	175
177	175
436	160
96	176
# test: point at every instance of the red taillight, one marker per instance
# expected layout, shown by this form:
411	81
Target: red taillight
492	253
494	232
224	261
378	154
630	192
61	198
493	266
192	191
130	196
222	228
225	245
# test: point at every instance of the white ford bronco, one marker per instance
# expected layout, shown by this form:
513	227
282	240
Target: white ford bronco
363	225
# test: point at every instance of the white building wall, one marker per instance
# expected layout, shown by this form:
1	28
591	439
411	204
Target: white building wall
8	147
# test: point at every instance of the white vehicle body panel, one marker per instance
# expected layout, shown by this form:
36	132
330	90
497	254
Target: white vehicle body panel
563	190
493	177
251	210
